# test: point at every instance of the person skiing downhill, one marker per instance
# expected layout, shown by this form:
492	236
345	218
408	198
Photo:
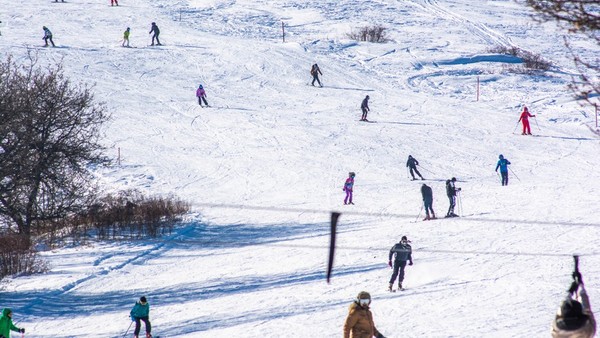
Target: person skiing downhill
315	71
359	323
451	190
154	29
348	186
427	201
403	252
364	106
126	36
525	115
141	312
6	324
201	94
47	36
503	165
412	163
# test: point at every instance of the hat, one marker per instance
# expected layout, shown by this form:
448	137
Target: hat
501	156
143	299
363	295
524	108
404	238
352	173
200	86
571	316
367	97
453	179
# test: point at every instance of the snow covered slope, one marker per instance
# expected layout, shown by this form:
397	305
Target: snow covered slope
264	167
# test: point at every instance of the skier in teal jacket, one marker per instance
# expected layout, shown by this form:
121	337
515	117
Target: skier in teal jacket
141	312
6	324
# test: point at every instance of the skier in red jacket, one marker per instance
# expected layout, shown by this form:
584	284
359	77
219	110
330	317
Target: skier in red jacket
525	118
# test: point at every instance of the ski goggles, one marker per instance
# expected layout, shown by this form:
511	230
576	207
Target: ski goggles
364	301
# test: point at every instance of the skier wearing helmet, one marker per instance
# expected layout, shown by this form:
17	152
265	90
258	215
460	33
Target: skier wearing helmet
359	323
525	115
503	165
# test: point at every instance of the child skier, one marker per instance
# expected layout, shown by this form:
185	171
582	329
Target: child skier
47	36
348	186
126	37
201	94
525	119
6	324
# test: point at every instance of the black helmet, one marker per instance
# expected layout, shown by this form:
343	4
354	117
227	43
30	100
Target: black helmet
453	179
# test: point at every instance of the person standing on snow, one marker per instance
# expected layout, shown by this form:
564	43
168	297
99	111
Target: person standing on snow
154	29
525	119
412	163
315	71
403	252
126	37
348	186
359	322
6	324
47	36
451	190
364	106
503	165
201	94
141	312
427	201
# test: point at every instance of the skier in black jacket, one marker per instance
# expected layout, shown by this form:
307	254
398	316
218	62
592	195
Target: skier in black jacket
403	252
412	163
154	29
427	201
451	190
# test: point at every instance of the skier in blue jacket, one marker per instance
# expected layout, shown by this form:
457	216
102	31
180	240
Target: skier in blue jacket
141	312
503	165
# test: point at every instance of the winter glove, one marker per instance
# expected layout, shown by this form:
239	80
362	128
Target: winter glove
573	288
410	263
132	319
22	330
390	263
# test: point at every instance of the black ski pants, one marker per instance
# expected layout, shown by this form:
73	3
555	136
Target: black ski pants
138	325
428	207
504	177
398	272
155	36
200	99
416	171
316	78
49	38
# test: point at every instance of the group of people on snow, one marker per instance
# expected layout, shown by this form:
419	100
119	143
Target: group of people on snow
154	30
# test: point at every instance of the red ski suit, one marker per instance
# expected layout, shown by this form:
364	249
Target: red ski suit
525	118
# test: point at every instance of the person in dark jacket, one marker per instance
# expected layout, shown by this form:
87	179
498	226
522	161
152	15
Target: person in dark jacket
403	252
503	165
47	36
412	164
451	191
154	29
364	106
141	312
427	201
360	322
315	71
6	324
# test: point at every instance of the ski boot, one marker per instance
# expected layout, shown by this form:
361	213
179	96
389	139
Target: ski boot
390	287
400	287
427	218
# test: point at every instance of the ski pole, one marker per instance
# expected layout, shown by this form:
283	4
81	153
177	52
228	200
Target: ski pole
427	170
407	173
514	174
419	215
127	329
516	126
536	124
460	211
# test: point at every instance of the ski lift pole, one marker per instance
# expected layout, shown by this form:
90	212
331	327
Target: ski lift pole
514	174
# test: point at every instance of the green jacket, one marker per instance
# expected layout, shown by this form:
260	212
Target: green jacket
6	324
140	311
126	35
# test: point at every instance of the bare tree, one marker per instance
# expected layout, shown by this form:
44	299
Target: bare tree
49	138
577	17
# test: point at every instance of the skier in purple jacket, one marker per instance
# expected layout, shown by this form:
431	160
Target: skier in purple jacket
201	94
348	187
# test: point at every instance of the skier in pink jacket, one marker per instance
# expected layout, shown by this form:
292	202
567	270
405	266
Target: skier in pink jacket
348	186
201	94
